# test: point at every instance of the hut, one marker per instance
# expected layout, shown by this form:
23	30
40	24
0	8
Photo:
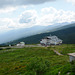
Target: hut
21	44
71	57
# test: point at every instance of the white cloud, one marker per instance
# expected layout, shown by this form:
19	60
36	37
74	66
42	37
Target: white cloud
49	10
8	10
28	18
48	16
72	1
5	24
52	16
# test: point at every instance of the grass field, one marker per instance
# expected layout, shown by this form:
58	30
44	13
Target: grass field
33	60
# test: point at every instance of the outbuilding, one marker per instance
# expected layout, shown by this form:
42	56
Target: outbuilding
71	56
21	44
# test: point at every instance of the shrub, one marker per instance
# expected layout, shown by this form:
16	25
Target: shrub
65	69
73	67
38	65
8	48
1	48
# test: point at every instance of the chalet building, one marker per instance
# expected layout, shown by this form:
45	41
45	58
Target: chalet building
21	44
51	40
71	57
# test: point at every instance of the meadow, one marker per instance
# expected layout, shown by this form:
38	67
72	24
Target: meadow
37	61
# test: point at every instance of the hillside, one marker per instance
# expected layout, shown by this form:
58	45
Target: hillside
26	32
26	61
67	35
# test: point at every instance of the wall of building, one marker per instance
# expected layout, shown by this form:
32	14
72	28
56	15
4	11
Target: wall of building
71	58
51	40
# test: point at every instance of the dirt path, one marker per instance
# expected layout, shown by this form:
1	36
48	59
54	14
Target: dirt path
57	52
38	45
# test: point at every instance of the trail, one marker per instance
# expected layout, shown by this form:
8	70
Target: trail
3	51
38	45
57	52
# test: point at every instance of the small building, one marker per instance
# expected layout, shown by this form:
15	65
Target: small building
71	56
50	40
9	45
21	44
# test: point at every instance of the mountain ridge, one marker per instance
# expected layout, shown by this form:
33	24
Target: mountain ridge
66	33
25	32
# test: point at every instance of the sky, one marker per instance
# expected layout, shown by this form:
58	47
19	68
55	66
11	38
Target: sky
15	14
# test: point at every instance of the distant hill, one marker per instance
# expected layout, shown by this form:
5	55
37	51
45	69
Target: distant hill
67	34
59	26
25	32
20	33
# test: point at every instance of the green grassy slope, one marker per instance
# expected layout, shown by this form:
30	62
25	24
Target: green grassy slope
15	62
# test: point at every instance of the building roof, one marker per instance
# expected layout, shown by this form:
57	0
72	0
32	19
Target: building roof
55	38
71	54
22	43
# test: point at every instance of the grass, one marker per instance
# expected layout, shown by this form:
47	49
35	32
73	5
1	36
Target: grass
65	48
15	62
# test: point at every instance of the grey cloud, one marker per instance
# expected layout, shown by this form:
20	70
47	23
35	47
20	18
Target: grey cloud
28	16
6	3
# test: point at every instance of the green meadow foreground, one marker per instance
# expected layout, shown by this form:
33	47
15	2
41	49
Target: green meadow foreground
37	61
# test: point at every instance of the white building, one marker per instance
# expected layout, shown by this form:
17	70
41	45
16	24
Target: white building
9	45
21	44
71	57
51	40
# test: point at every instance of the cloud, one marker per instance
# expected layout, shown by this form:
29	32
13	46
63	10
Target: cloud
8	10
7	24
52	16
72	1
28	16
7	3
4	22
47	16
